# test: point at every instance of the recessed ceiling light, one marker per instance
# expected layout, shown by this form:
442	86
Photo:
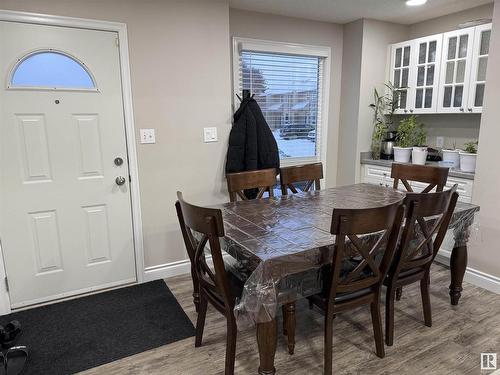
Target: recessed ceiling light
414	3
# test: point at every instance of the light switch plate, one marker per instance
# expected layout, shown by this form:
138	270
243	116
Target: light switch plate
440	142
147	136
210	134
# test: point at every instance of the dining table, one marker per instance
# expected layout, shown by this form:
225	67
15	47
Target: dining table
280	244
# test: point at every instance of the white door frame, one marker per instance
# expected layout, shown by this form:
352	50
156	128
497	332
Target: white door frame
121	29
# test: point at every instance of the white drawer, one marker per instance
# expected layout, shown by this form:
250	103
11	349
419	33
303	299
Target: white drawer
377	175
372	171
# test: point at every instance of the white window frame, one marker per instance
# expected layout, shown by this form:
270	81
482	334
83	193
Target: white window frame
29	54
269	46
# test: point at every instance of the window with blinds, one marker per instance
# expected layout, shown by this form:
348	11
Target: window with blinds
288	88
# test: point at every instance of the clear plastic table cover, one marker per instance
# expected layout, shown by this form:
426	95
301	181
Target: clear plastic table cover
277	246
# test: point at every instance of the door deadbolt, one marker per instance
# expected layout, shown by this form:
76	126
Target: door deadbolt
118	161
120	180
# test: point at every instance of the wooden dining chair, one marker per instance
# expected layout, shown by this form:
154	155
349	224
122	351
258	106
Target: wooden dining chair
209	286
426	222
309	174
263	180
365	242
434	176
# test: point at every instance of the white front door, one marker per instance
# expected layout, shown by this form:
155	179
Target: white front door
65	219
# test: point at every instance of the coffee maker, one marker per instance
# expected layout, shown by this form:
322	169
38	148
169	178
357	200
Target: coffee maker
387	150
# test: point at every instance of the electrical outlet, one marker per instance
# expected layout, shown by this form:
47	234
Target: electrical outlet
440	142
148	136
210	134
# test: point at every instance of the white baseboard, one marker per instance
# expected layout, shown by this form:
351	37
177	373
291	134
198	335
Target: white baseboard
472	276
167	270
164	271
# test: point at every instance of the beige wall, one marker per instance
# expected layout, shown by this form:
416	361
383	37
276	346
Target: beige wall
180	68
349	103
365	64
377	36
294	30
484	254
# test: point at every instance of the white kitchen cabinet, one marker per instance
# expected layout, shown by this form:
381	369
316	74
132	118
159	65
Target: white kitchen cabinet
379	175
479	63
455	70
442	73
425	69
401	58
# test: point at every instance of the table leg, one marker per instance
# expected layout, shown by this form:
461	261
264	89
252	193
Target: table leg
290	323
267	338
458	265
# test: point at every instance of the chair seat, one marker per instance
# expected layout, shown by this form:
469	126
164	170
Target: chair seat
406	275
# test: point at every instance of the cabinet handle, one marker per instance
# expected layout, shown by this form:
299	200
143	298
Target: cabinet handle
461	109
411	110
470	109
406	111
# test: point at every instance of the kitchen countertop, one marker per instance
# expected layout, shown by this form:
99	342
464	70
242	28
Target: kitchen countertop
367	159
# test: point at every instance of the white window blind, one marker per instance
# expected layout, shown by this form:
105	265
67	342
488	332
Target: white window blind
289	90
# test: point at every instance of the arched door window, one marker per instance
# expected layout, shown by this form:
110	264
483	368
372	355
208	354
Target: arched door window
50	69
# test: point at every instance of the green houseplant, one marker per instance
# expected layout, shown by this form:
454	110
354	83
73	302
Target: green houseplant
383	110
411	137
468	157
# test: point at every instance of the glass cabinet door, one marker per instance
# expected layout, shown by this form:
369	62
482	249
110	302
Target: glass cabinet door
400	77
478	68
455	70
426	76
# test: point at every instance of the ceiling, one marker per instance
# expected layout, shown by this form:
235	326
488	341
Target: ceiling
343	11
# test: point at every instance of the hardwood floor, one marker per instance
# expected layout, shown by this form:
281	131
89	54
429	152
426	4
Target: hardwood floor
452	346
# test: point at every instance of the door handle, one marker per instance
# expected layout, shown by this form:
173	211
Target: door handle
120	180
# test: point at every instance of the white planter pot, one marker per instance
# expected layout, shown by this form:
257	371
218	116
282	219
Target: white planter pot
419	155
452	156
467	162
402	154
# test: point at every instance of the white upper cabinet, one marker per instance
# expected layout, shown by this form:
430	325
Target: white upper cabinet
426	67
455	70
443	73
401	58
480	54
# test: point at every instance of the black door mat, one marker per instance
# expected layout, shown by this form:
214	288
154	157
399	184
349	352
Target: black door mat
83	333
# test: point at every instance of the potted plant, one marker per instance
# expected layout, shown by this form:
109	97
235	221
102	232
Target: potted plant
452	156
468	157
410	133
420	151
383	110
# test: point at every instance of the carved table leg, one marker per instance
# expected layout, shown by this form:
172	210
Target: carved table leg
289	324
458	265
267	338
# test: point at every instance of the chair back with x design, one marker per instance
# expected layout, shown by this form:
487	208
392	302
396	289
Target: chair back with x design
434	176
308	174
426	222
365	242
